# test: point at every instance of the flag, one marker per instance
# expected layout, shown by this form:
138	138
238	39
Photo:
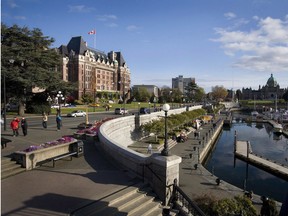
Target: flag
92	32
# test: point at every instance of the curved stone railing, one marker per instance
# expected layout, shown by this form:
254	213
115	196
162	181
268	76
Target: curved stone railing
116	135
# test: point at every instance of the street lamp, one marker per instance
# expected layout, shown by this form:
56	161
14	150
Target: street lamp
59	98
149	108
139	108
123	87
164	152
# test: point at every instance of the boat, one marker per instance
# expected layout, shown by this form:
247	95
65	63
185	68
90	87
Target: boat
254	112
277	128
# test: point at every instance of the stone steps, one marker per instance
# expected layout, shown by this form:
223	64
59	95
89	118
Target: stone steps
10	168
142	147
137	199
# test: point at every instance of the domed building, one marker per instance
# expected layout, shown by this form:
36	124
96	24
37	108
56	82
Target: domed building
267	92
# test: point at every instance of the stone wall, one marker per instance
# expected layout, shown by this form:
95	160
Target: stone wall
116	135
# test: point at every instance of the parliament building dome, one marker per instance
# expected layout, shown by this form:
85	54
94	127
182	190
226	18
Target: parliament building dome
271	82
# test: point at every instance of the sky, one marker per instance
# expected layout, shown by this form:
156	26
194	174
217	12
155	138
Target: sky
231	43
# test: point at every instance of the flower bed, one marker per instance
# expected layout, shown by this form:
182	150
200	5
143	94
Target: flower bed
93	130
63	140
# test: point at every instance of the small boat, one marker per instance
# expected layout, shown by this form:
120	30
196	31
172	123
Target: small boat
277	128
254	113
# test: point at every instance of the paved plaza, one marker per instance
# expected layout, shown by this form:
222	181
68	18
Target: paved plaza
71	184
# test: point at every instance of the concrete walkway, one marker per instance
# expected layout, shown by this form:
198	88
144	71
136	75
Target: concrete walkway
71	184
56	191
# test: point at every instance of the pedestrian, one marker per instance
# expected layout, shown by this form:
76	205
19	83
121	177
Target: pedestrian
44	120
15	126
58	121
24	126
149	150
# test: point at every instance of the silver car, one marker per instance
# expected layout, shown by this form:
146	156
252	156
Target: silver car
77	113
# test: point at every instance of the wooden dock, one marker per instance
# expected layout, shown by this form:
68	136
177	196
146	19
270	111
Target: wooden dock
243	151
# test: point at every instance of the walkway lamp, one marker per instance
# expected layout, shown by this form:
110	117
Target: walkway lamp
59	98
149	108
164	152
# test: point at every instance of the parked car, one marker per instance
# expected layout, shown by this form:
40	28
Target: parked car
77	113
55	106
69	105
120	111
144	110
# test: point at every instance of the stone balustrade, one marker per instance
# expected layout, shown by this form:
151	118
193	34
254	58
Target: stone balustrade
116	135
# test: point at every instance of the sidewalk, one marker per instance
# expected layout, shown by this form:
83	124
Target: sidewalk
56	191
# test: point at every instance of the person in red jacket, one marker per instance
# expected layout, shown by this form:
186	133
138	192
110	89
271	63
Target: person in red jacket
15	126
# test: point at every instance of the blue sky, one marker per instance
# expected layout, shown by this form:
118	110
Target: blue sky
232	43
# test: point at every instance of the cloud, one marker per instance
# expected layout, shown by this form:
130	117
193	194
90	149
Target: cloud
106	17
20	17
80	9
12	4
132	28
230	15
264	48
112	25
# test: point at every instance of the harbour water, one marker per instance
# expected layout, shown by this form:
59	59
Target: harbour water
264	142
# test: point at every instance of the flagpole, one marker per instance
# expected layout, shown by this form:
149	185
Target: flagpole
94	41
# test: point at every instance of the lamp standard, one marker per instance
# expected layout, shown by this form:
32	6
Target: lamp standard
59	98
149	108
164	152
49	99
139	108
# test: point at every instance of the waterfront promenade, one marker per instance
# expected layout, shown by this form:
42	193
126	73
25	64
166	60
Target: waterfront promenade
57	191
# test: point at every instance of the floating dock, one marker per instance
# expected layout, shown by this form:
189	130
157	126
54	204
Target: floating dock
243	151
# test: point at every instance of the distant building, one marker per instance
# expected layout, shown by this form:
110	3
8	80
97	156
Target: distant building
92	69
181	83
151	89
268	92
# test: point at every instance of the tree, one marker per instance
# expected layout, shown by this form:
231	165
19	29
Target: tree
219	93
27	63
141	94
194	92
238	94
285	96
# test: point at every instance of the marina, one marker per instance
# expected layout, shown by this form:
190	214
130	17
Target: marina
223	163
243	151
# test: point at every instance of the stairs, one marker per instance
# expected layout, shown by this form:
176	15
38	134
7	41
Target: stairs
10	168
142	147
134	200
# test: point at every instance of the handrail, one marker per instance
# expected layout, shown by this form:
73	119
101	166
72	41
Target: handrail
179	198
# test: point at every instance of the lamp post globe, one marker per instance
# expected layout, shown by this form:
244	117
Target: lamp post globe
164	152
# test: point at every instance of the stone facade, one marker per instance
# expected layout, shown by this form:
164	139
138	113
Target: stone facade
270	91
93	70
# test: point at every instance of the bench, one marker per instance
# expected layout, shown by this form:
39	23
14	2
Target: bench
63	156
59	157
4	142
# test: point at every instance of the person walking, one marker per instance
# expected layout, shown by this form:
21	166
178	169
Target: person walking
15	126
24	126
149	149
58	121
44	120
